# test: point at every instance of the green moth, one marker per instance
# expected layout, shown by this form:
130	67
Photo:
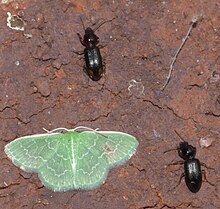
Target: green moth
71	159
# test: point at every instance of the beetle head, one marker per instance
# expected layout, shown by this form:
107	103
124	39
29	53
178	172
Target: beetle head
186	151
90	37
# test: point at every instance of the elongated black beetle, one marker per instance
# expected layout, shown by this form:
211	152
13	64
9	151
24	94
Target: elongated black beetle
94	66
192	166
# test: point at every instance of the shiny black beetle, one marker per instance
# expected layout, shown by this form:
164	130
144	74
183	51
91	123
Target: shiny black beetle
192	166
94	66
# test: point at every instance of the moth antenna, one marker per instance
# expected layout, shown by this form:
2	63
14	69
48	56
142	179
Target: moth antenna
84	127
89	129
59	130
45	130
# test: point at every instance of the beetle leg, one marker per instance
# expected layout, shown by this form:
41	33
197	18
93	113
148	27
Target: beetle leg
85	70
79	52
203	164
176	163
101	46
204	173
181	177
81	39
103	67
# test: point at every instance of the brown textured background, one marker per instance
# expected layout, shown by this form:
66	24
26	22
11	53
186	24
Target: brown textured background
49	89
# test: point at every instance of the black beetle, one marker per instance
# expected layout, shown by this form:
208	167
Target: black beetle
94	66
192	166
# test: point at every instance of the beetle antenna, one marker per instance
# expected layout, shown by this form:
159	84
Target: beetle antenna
179	135
104	23
82	24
